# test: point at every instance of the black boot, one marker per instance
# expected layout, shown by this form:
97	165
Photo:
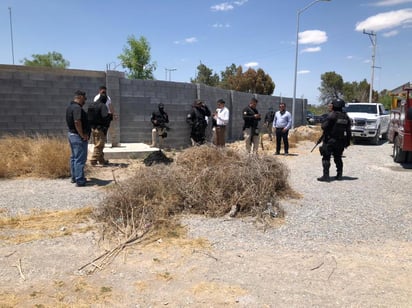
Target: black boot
325	177
339	176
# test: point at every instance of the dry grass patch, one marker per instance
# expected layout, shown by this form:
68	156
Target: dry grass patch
38	156
41	225
73	292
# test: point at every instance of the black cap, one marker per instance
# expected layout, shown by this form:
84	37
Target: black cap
221	101
161	106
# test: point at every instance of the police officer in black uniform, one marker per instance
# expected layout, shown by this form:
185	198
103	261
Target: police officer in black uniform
159	120
198	121
336	137
251	118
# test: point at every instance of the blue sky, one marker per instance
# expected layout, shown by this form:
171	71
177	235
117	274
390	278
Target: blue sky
252	33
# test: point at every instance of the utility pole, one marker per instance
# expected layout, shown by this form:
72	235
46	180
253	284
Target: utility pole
372	37
11	36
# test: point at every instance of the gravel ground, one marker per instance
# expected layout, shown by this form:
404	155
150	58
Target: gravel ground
344	243
372	203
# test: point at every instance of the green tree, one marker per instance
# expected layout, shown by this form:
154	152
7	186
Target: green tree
51	59
136	59
206	76
233	78
227	76
385	98
358	92
331	86
264	83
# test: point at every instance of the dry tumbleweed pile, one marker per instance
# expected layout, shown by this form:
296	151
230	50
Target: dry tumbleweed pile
202	180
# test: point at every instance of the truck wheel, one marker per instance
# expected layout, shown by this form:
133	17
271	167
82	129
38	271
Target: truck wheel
375	140
399	156
385	135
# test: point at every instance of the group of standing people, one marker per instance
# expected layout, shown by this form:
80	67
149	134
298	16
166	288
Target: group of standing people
277	123
82	125
198	119
336	133
96	121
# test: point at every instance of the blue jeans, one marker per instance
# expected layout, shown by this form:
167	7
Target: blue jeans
78	158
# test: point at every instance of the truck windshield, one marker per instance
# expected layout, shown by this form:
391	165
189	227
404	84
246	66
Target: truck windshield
361	108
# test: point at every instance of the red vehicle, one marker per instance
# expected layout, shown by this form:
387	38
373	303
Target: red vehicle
400	128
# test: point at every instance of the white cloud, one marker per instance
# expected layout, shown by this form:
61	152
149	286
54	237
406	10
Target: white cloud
385	21
349	57
252	64
312	49
390	2
312	37
227	6
391	33
301	72
217	25
189	40
241	2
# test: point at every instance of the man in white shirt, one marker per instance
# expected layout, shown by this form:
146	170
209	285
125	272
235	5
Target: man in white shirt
222	119
281	125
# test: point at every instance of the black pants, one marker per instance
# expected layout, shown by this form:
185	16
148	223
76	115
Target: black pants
282	135
335	148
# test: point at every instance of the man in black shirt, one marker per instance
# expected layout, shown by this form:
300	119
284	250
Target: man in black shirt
79	132
99	121
159	120
197	120
269	117
251	118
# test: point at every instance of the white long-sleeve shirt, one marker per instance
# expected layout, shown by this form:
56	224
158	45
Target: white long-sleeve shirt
222	116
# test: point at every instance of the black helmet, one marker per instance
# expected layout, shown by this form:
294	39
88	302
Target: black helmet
338	104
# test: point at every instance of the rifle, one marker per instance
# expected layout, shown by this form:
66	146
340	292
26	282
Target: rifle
318	142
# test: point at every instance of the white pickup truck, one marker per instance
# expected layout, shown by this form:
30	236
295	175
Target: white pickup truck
370	121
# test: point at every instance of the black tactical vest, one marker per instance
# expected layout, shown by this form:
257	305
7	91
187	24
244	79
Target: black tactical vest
339	128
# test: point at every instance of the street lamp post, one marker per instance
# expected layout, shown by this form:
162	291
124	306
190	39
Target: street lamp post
296	56
170	70
11	36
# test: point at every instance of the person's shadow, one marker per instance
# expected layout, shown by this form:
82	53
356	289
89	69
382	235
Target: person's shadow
99	182
344	178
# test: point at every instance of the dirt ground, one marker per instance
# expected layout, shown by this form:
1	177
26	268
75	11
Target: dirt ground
178	270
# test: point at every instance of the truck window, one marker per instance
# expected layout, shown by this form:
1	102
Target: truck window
363	108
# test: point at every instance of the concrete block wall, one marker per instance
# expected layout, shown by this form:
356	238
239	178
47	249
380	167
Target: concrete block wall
33	100
140	98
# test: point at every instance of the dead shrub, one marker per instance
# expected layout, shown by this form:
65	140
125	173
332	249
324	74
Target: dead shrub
202	180
212	180
305	133
38	156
